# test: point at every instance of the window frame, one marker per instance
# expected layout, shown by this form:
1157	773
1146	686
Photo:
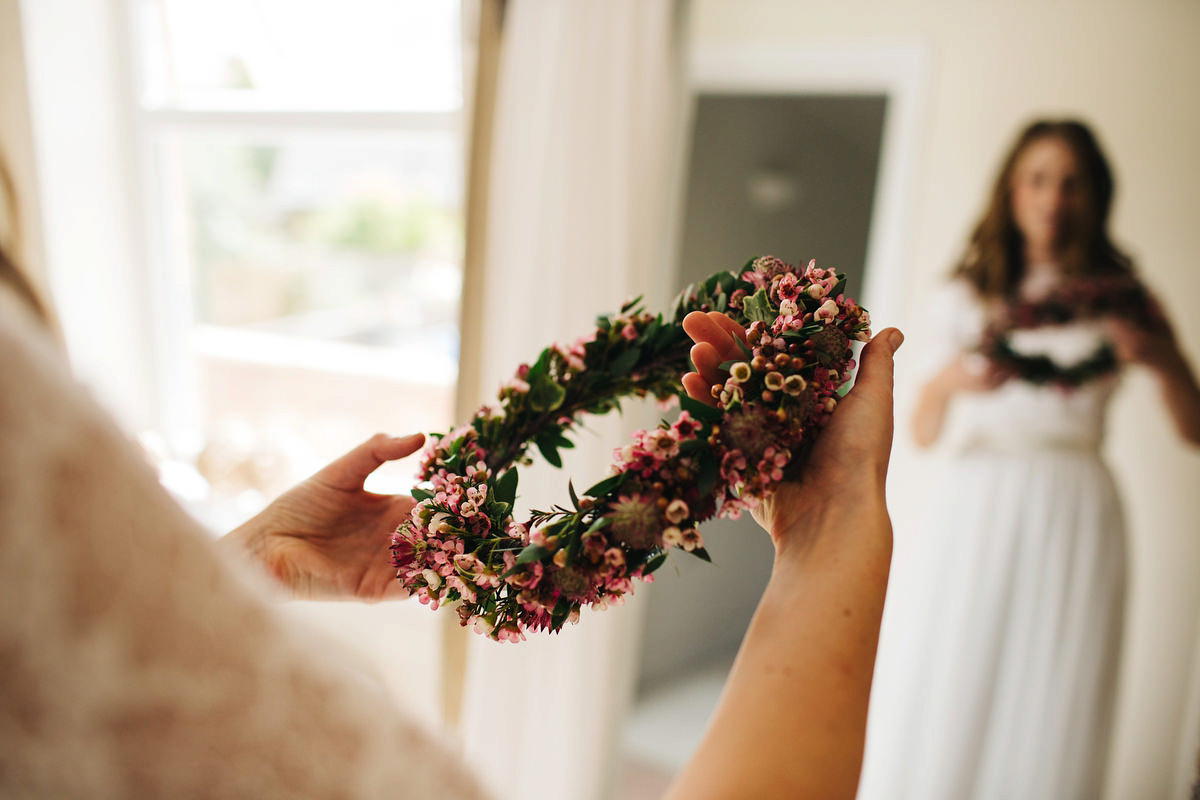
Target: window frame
166	271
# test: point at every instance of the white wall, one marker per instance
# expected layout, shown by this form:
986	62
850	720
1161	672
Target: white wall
1130	68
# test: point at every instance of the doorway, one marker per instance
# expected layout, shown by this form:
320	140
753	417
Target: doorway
768	174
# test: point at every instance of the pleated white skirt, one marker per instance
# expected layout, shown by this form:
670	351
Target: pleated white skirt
1001	635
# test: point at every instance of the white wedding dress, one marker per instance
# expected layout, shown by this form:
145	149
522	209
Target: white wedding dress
1002	628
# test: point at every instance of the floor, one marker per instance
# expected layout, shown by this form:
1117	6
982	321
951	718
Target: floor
665	728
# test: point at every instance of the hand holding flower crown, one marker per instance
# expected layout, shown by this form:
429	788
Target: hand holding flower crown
845	470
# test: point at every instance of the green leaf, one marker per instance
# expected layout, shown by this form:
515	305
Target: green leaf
652	329
532	553
571	490
559	615
545	394
654	563
701	554
839	287
757	307
421	494
545	446
605	486
622	364
505	490
597	524
631	304
540	367
701	411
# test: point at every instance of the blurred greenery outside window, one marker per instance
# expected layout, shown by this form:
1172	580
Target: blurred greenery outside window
304	206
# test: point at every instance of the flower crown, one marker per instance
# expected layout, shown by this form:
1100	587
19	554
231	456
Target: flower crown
1074	301
461	544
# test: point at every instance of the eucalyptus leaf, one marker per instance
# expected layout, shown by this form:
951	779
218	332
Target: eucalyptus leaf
421	494
701	554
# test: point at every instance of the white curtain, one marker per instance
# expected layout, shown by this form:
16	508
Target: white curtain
1187	767
583	186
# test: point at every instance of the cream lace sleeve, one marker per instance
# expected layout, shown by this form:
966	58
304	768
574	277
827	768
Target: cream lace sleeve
134	661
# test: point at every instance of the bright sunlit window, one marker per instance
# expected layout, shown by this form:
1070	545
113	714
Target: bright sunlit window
301	169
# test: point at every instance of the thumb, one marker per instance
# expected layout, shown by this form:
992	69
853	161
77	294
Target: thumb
348	472
876	368
869	406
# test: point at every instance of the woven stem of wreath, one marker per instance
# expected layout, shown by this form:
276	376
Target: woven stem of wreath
462	545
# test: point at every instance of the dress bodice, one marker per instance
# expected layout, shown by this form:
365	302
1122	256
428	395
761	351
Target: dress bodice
1019	415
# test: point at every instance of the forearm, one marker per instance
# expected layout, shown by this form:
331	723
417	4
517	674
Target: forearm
792	721
930	415
1181	395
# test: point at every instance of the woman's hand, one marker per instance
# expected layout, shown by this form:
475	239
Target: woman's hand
792	719
328	538
843	480
971	373
1152	347
966	373
1158	349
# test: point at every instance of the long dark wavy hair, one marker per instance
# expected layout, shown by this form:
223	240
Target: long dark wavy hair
995	259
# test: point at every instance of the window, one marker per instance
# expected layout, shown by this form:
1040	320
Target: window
301	179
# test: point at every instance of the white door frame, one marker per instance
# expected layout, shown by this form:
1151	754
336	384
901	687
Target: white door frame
898	71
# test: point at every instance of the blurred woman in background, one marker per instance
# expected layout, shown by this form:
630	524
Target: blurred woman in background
1000	644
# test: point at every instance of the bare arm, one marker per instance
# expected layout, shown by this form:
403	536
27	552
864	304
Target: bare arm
792	721
963	374
1181	395
1159	351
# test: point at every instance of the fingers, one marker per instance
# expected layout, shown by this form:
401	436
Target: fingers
698	388
728	325
717	330
351	470
717	337
708	362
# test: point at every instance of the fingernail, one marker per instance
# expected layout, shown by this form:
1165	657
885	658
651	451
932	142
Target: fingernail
895	339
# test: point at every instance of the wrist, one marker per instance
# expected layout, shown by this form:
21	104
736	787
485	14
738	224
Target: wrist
248	538
835	527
